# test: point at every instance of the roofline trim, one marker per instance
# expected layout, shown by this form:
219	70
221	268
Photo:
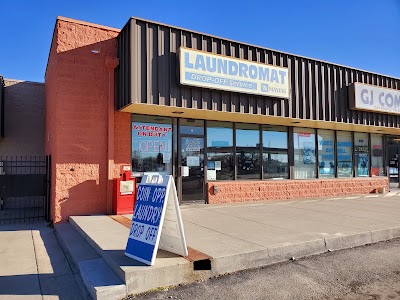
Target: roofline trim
261	47
60	18
65	19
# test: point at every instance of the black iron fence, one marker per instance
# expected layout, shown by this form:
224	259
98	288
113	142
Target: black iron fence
24	189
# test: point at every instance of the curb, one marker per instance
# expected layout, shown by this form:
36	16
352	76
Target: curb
269	256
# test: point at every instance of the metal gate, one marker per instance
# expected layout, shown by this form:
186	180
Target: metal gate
24	189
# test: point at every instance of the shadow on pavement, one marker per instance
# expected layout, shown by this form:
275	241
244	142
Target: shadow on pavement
33	264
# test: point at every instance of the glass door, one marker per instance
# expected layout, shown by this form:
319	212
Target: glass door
393	161
192	156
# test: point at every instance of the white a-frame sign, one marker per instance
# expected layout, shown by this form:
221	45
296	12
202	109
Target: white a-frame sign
157	221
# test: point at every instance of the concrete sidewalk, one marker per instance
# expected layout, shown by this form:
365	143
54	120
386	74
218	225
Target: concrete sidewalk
240	236
33	265
235	236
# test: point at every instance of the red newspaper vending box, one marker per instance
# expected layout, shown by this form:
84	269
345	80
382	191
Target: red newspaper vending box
124	192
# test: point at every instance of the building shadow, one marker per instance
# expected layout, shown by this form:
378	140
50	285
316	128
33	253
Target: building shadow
54	276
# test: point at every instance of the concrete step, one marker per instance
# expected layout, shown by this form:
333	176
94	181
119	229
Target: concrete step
109	239
101	281
97	280
75	246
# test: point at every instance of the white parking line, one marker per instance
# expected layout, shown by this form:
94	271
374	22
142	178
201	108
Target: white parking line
391	194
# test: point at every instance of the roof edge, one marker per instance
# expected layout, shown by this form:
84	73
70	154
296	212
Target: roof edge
65	19
261	47
60	18
22	81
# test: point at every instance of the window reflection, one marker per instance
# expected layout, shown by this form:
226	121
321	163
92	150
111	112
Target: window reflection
248	151
275	155
220	150
304	153
151	144
377	155
191	126
344	154
326	153
361	153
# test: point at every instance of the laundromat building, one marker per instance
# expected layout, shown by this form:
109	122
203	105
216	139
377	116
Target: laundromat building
231	122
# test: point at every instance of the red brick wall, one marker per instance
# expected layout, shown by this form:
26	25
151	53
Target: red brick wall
78	122
242	191
122	141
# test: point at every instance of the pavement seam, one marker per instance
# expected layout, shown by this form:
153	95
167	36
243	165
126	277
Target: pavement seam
333	214
321	201
302	218
370	203
226	234
36	263
369	210
378	220
257	222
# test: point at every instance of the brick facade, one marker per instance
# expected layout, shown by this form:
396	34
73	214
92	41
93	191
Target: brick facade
78	122
89	140
243	191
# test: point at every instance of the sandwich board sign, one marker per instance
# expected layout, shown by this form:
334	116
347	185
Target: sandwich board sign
157	221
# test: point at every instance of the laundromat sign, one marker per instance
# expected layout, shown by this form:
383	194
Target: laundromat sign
374	98
212	71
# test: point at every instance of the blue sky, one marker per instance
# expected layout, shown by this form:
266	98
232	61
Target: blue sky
363	34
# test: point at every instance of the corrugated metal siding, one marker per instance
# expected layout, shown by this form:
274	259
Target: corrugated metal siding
148	73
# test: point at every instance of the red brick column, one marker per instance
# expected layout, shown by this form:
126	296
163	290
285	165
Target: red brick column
80	118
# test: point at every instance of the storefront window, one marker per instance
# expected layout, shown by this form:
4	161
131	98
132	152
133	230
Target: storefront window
326	153
175	148
248	151
377	155
275	155
191	127
304	153
361	152
344	154
220	150
151	145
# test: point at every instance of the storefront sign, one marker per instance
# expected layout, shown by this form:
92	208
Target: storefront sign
344	151
151	130
149	138
193	145
185	171
326	151
213	71
211	175
373	98
157	221
193	161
